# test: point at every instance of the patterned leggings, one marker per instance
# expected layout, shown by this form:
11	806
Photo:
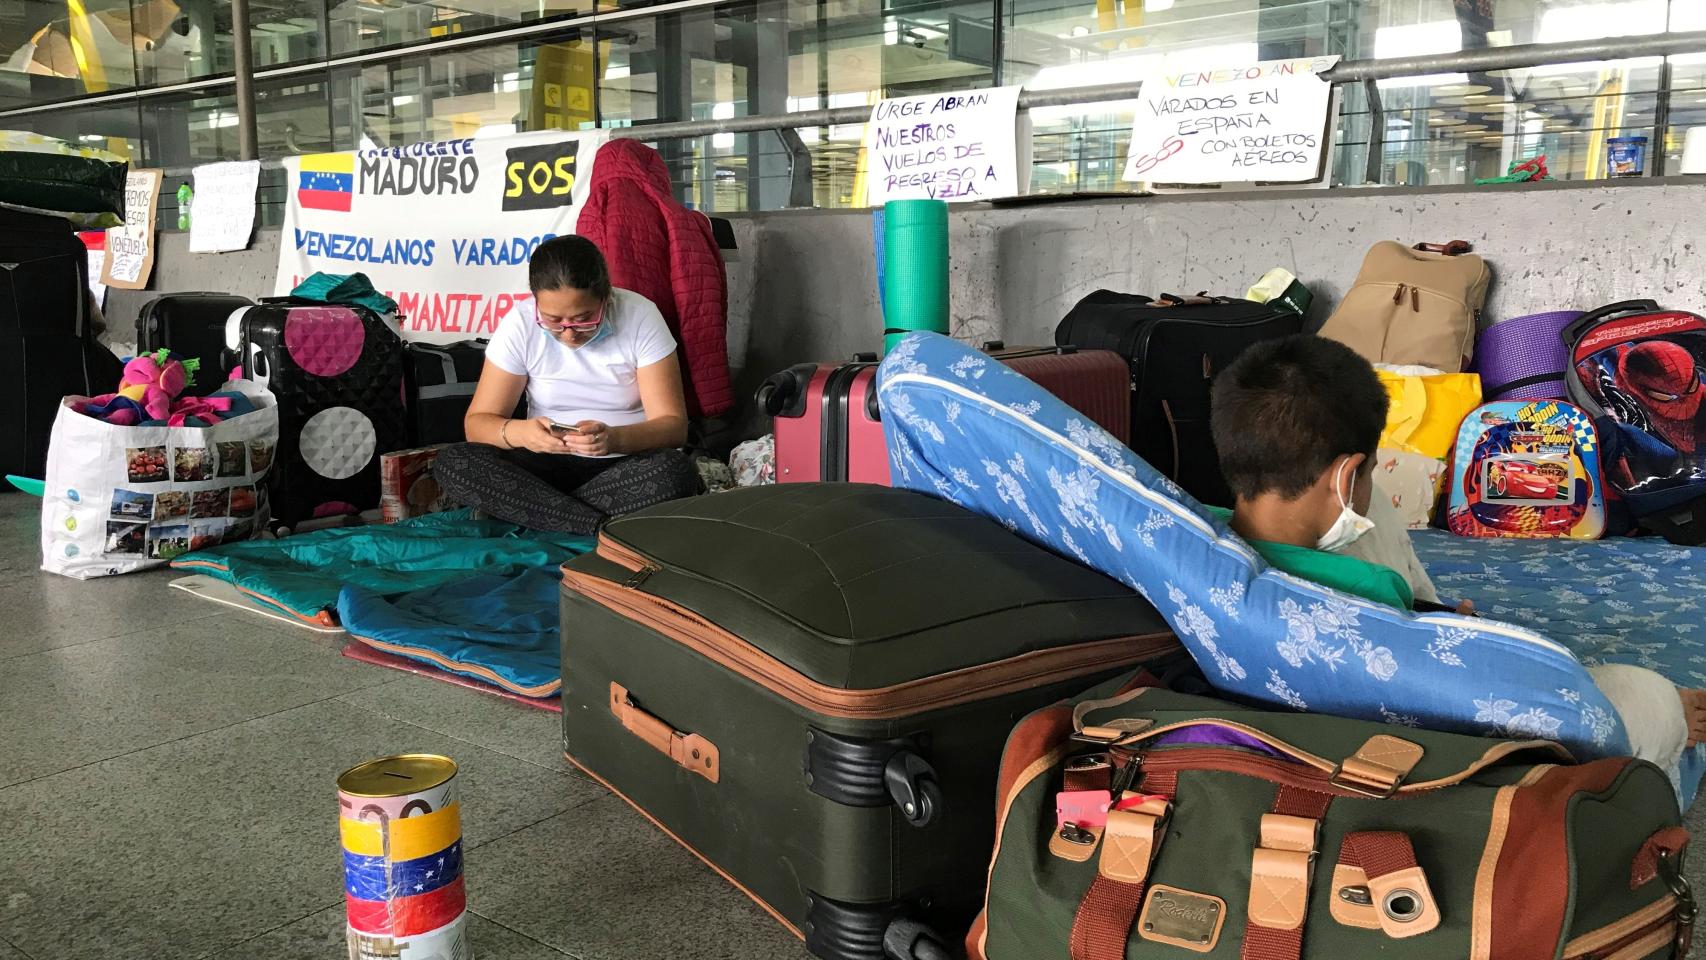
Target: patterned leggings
559	492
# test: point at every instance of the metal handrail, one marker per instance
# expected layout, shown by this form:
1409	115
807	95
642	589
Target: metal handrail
1345	72
1349	71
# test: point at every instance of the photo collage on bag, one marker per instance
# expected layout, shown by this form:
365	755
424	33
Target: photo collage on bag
170	523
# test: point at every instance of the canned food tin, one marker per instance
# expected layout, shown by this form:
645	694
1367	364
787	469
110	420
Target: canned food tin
401	826
1626	156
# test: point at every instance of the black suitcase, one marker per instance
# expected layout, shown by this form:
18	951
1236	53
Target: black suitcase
808	685
47	342
1175	346
337	372
441	378
192	325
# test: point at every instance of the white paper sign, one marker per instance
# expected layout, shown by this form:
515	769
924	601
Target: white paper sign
97	266
222	215
445	228
130	248
1257	121
946	146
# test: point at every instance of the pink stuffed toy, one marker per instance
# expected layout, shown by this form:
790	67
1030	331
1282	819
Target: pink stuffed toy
149	391
154	381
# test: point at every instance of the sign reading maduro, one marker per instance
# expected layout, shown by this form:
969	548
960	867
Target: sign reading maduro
443	228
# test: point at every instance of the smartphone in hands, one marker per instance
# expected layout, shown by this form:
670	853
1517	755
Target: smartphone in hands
563	429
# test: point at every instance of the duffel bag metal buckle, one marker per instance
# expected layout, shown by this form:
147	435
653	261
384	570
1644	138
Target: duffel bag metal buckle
1087	762
1338	779
1670	869
1073	833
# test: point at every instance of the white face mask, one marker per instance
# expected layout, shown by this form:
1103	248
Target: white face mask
1349	527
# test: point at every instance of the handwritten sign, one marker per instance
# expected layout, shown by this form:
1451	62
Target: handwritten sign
944	146
1263	121
130	248
222	215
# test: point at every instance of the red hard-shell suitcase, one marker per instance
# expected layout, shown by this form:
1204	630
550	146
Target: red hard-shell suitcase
828	427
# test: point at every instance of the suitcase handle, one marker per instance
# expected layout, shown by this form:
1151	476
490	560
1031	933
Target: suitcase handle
690	751
1574	331
784	394
1454	248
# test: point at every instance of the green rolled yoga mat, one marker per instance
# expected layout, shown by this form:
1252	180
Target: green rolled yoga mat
915	268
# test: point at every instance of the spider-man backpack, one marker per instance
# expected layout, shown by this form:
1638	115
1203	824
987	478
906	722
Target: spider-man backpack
1637	369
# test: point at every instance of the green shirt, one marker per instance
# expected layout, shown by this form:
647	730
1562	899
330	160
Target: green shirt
1347	574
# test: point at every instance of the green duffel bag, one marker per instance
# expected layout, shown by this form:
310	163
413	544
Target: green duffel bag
1273	836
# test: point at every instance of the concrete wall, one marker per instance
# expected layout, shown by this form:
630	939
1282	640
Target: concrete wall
804	283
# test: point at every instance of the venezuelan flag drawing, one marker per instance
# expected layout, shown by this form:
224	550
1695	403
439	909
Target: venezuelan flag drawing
403	878
326	181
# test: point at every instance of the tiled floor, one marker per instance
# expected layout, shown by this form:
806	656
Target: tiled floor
166	791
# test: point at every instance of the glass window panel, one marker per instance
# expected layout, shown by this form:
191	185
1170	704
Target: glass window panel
358	25
782	56
283	31
114	127
541	84
182	130
1052	46
55	50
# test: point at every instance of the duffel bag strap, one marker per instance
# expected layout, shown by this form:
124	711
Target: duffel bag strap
1381	885
1130	842
1280	870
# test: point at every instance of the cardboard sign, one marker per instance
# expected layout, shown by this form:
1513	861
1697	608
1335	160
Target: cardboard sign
1252	122
222	215
944	146
445	228
130	248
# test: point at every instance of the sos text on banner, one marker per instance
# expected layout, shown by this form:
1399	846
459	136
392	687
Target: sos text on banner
444	228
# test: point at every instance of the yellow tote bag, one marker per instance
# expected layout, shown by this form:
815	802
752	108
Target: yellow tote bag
1426	411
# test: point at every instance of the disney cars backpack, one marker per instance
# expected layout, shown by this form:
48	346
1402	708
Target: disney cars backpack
1636	369
1526	469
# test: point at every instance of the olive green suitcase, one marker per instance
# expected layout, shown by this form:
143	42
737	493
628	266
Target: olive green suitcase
809	686
1242	833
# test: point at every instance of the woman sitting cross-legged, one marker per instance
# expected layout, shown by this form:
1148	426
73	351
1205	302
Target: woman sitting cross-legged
603	388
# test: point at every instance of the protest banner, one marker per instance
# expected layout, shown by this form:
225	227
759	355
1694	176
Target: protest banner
443	228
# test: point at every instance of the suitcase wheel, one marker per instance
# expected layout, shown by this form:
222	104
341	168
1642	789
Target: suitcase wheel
912	783
911	940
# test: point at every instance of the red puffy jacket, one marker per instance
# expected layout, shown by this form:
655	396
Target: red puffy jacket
666	253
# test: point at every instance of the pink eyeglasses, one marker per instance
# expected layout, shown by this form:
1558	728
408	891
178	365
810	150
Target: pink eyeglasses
559	324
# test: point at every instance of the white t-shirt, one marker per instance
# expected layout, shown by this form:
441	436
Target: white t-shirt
596	382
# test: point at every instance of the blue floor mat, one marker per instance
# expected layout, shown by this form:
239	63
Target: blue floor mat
1618	600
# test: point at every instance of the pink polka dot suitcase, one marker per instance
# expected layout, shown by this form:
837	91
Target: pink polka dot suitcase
337	372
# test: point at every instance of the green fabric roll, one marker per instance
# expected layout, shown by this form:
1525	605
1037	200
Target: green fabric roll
915	275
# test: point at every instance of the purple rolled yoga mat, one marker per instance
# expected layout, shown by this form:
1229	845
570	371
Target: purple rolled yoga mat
1525	358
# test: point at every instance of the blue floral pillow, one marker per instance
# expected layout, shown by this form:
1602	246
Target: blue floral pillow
968	429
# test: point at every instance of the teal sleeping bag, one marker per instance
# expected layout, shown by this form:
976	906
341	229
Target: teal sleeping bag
497	628
302	575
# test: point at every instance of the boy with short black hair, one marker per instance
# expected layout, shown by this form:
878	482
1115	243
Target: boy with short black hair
1296	422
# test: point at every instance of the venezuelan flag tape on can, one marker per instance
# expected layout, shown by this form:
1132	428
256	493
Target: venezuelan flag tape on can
401	823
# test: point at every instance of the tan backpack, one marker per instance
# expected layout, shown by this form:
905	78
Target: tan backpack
1415	305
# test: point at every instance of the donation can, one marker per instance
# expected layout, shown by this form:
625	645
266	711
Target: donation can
1626	156
400	819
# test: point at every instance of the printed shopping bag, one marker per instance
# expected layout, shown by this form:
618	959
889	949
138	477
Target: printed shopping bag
119	499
